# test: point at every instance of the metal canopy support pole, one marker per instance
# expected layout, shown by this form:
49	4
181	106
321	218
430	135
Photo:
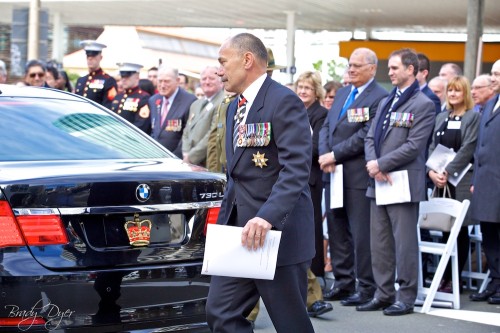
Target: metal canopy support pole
290	44
475	14
57	38
34	29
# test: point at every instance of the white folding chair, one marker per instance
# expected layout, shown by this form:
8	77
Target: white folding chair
470	274
430	296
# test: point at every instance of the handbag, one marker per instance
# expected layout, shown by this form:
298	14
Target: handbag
438	221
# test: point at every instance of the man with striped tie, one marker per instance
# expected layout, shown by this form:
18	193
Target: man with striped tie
268	149
397	141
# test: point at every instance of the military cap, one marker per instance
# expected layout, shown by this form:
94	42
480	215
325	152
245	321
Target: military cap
128	68
271	66
91	47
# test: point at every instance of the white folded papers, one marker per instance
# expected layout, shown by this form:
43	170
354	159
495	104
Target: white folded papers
337	187
226	256
440	158
398	192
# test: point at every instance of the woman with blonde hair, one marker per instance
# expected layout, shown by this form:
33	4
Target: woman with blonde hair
457	129
310	90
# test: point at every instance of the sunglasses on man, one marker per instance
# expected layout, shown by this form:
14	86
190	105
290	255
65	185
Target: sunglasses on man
32	75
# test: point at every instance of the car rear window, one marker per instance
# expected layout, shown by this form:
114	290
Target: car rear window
51	129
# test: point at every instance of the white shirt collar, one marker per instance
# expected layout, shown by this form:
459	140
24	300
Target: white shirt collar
172	97
363	87
252	90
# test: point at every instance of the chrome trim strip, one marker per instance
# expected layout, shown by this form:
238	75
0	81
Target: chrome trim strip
117	209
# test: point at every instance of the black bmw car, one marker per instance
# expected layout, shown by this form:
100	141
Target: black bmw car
101	228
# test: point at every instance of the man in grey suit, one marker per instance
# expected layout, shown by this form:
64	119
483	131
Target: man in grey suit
341	141
485	190
169	110
397	141
197	131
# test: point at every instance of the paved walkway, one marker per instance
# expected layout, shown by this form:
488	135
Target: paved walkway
473	317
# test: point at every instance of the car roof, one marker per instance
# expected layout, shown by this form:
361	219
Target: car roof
7	90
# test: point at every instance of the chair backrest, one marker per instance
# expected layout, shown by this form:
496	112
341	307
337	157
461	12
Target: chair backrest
451	207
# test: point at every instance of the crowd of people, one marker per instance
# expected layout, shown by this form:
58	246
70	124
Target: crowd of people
281	147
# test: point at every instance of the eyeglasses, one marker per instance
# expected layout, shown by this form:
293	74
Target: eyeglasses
479	87
306	88
357	66
32	75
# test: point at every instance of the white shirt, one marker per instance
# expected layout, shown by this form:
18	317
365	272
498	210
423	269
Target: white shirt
251	92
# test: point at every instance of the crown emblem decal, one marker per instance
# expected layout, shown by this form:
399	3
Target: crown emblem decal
138	231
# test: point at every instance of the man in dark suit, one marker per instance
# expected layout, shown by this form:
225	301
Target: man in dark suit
397	141
169	110
485	191
342	142
267	189
438	86
424	66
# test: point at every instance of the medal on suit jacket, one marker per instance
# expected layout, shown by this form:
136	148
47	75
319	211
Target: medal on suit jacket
254	135
259	159
173	125
358	115
401	119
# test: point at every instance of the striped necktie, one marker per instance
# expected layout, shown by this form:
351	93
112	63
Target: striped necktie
238	118
388	115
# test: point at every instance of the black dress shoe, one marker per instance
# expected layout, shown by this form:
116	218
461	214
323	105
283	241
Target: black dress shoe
318	308
482	296
336	294
373	305
356	299
399	309
494	299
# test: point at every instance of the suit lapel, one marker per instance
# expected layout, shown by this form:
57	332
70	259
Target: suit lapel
157	115
231	111
491	107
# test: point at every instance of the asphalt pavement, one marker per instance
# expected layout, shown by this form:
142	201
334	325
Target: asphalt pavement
473	317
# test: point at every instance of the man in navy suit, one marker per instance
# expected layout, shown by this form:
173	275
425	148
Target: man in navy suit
485	191
342	142
169	110
424	66
268	165
397	141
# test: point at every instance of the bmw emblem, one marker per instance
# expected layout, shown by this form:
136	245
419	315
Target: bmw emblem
143	192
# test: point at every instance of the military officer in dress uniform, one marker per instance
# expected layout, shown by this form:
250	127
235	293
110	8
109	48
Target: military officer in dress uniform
97	85
132	103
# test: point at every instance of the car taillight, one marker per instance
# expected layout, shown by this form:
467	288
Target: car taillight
42	229
21	322
31	229
212	215
10	235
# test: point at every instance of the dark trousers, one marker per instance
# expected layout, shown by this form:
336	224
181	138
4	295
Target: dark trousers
491	245
349	240
318	262
394	244
230	301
